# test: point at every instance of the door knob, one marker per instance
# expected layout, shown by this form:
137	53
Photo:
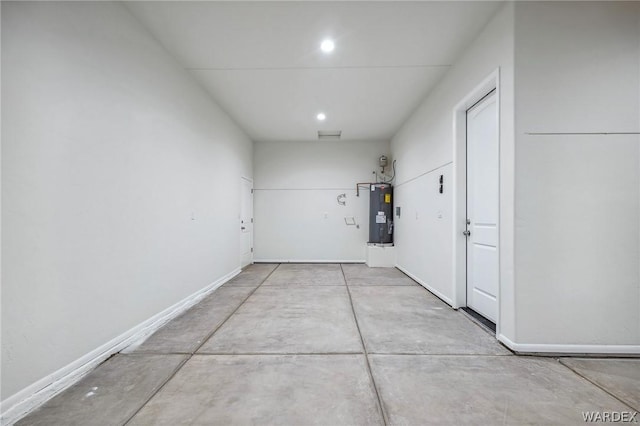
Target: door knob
466	233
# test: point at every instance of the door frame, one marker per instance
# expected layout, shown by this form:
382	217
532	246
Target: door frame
492	82
244	179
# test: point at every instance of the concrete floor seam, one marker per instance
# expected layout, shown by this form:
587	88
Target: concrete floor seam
483	328
147	353
381	285
442	354
201	344
155	392
439	354
366	357
596	384
277	353
303	285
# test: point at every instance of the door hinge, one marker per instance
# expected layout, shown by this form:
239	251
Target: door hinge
251	220
252	190
251	249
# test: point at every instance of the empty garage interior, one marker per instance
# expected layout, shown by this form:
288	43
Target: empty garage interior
186	212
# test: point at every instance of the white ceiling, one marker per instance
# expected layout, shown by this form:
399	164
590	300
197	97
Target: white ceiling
262	63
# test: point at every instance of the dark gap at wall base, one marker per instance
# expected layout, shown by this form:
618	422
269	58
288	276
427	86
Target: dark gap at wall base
489	325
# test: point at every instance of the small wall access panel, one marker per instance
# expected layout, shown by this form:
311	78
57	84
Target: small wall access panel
381	214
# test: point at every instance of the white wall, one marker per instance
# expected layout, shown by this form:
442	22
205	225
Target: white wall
578	213
424	150
297	217
570	205
424	228
119	183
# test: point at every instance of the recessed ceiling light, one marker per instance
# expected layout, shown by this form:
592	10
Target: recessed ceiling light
321	116
327	45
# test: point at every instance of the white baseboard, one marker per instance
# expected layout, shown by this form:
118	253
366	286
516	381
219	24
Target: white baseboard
542	348
28	399
444	298
308	261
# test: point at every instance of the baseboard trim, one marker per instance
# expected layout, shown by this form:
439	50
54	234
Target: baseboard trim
552	349
438	294
308	261
33	396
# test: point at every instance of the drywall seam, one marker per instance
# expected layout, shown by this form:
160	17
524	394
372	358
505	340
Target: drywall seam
36	394
423	174
309	261
351	188
441	296
551	348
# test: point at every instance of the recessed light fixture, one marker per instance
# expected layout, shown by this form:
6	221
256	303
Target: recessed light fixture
327	45
321	116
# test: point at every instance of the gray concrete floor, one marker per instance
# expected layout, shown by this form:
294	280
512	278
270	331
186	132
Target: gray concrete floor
335	344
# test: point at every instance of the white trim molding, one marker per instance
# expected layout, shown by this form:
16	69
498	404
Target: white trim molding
438	294
33	396
459	273
550	349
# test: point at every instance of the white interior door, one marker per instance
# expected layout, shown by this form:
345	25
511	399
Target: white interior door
246	222
483	207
